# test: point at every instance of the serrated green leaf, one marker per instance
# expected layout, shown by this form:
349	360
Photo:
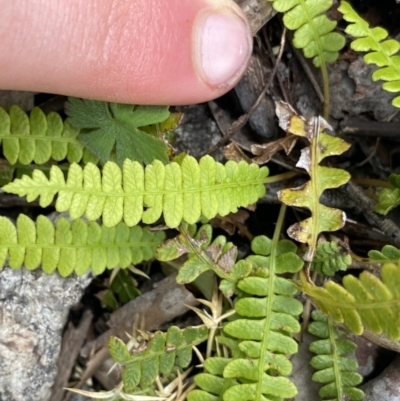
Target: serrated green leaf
112	124
118	350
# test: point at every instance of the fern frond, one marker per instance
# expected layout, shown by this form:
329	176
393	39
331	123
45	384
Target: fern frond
73	247
181	192
39	138
337	372
389	198
203	253
331	257
267	314
313	29
159	355
389	253
381	51
308	195
367	301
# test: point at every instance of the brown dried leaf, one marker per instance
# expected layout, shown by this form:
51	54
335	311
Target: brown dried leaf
265	151
233	152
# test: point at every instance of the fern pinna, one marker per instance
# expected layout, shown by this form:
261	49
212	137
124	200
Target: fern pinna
73	247
181	192
381	51
334	370
361	302
159	354
39	138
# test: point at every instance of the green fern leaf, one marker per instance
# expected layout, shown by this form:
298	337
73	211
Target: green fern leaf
330	258
267	314
39	138
388	254
73	247
321	146
161	353
367	301
381	51
313	30
338	373
203	255
136	193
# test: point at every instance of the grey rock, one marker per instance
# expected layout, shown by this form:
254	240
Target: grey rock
33	310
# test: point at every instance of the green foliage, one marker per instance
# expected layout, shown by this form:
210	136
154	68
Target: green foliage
381	51
159	355
367	301
321	146
39	138
313	29
73	247
330	258
203	255
181	192
389	198
266	315
109	125
334	370
389	253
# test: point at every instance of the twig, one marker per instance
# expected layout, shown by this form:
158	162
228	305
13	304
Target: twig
387	226
242	120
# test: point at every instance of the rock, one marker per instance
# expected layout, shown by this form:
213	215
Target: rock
33	309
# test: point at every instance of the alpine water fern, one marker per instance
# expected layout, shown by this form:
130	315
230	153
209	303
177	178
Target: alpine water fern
381	51
180	192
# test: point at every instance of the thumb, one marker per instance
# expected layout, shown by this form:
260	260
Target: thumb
129	51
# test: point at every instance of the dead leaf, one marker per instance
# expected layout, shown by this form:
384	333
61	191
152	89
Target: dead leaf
265	151
233	152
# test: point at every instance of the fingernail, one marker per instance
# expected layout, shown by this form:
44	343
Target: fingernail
223	47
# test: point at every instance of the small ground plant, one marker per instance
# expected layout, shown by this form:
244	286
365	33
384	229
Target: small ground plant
120	180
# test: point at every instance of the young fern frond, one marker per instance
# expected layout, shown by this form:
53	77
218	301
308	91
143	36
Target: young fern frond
381	51
365	302
335	371
330	257
389	198
180	192
39	138
75	247
159	355
313	34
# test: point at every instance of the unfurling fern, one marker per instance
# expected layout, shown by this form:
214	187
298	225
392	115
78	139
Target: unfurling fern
381	51
367	301
73	247
157	355
181	192
39	138
335	371
331	257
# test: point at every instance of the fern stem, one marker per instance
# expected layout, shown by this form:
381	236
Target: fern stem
271	283
281	177
335	359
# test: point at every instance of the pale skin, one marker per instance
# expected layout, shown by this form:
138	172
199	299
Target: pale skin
130	51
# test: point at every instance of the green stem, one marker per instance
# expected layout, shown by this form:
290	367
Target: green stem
281	177
271	283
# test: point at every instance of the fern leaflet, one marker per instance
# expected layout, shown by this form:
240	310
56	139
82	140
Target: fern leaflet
367	301
337	371
313	30
158	355
389	198
39	138
331	257
73	248
382	51
389	253
181	192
